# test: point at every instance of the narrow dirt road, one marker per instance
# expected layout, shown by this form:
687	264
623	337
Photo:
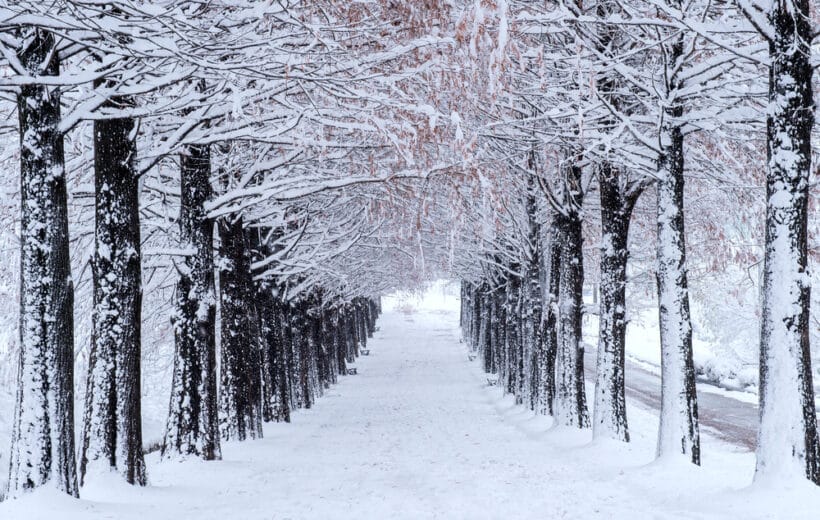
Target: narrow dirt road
731	420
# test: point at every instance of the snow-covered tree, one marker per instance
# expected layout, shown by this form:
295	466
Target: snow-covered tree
787	439
42	448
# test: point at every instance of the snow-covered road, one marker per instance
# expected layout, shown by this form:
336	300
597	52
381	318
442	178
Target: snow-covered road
417	434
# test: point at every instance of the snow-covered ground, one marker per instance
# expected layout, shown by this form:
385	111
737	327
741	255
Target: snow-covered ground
419	434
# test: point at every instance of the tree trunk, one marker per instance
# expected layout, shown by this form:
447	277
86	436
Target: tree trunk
240	372
464	310
787	438
42	442
291	354
300	330
532	299
346	333
339	339
609	412
679	410
319	362
520	345
193	422
570	394
500	332
492	356
281	361
548	346
513	336
371	319
112	427
276	406
265	306
482	345
475	316
487	346
329	344
361	321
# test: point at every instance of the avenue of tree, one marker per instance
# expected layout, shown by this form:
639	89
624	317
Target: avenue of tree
259	173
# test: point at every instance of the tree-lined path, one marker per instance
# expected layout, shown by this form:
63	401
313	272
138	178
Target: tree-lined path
417	434
204	202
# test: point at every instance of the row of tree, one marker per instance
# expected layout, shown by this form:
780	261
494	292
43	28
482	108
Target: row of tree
330	151
239	141
617	99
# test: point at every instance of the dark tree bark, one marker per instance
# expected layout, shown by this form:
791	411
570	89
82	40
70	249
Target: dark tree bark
370	319
570	394
531	298
348	333
193	422
267	352
275	398
482	344
281	365
291	354
486	345
787	438
374	314
339	340
500	332
319	362
329	344
266	308
361	323
355	333
42	442
240	370
279	354
520	345
618	196
617	202
464	295
300	330
112	426
475	316
549	323
513	336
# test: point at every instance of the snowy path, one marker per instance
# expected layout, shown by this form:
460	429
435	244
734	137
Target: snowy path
418	434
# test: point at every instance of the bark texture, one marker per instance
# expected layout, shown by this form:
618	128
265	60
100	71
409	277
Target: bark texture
787	438
570	393
112	425
42	442
193	422
240	396
609	412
